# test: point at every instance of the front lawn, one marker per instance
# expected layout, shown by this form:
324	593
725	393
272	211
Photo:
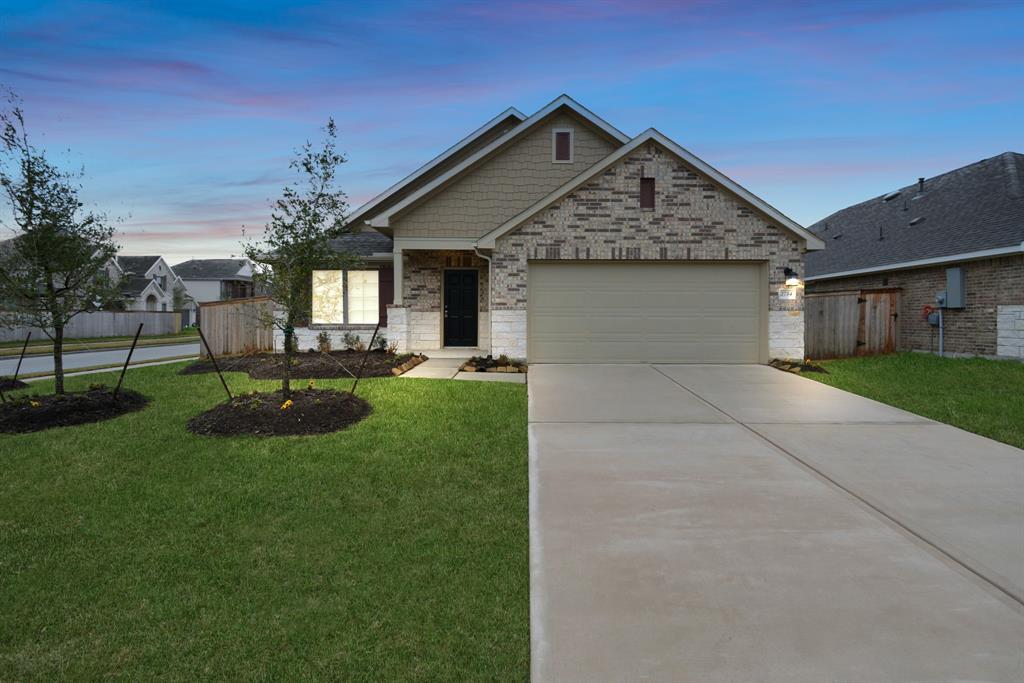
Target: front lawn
394	550
982	396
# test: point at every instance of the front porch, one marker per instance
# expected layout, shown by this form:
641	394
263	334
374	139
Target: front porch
441	305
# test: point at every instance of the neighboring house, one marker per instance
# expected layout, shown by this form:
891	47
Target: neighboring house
557	238
970	220
147	282
216	279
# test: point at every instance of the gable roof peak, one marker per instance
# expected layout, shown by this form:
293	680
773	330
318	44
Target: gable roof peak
812	241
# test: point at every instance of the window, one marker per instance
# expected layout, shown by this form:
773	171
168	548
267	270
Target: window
328	297
341	297
647	193
562	146
362	297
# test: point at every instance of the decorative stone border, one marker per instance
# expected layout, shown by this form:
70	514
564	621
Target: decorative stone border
408	365
469	367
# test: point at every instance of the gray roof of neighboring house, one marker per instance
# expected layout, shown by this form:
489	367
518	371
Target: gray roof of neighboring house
134	286
211	269
974	208
136	264
366	242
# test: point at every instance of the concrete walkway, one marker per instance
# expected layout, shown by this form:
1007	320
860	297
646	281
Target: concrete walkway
445	364
737	523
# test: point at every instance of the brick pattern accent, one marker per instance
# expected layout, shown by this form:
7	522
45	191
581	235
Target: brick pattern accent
989	284
1010	332
505	184
422	280
398	327
693	219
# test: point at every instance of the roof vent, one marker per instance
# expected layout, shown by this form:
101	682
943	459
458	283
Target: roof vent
920	184
915	221
835	237
891	196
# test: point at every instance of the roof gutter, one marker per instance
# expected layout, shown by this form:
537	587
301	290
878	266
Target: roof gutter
923	263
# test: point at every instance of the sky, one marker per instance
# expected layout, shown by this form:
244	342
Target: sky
184	114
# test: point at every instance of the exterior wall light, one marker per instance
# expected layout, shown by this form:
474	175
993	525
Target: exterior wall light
791	278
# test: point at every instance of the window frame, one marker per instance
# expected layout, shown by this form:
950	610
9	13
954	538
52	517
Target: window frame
346	309
554	145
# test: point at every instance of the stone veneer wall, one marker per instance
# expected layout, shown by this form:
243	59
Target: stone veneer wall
990	284
693	219
1010	332
306	337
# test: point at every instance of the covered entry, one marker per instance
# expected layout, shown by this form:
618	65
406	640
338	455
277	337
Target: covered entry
643	311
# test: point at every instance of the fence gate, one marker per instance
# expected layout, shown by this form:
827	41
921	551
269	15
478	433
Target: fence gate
856	323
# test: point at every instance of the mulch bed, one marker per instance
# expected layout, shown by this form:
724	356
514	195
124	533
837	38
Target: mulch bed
310	364
37	412
491	364
8	384
311	411
796	366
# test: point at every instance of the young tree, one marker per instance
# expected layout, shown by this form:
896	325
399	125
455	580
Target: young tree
297	240
55	266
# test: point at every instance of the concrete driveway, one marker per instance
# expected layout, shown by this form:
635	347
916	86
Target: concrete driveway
737	523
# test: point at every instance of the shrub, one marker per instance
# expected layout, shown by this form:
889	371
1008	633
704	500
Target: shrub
381	343
351	340
323	342
392	348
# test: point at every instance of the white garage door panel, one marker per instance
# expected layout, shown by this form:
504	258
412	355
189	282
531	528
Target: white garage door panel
636	312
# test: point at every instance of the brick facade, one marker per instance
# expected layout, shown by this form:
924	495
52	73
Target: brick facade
972	330
693	219
422	281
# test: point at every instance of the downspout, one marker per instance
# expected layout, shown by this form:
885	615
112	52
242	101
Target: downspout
490	307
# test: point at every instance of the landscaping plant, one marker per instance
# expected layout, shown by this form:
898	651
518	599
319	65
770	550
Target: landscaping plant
297	240
55	266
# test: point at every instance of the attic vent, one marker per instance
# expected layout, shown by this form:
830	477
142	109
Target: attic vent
835	237
891	196
915	221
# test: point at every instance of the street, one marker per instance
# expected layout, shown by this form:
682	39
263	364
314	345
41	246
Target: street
85	359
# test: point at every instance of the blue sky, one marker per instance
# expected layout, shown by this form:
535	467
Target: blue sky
184	114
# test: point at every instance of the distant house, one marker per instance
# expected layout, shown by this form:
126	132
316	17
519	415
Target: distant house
216	279
962	231
148	283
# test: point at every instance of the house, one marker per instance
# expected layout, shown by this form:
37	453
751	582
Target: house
961	233
147	282
556	237
216	279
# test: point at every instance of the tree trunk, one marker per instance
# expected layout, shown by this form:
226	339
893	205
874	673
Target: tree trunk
289	337
58	360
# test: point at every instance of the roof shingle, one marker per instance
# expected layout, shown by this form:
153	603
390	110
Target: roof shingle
974	208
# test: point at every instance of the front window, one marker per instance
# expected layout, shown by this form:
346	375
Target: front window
345	298
363	308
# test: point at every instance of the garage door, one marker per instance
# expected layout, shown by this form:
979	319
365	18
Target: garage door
582	312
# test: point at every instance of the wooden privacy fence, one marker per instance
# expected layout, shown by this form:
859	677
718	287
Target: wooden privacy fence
236	326
106	324
839	324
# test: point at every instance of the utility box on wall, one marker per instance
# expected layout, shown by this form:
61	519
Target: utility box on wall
955	297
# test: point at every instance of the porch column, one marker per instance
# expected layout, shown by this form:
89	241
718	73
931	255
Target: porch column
397	270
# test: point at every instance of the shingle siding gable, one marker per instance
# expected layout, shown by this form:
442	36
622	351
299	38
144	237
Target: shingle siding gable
507	183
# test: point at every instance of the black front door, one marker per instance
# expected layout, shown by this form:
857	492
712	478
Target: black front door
460	307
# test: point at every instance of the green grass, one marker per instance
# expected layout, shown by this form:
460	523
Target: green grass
982	396
394	550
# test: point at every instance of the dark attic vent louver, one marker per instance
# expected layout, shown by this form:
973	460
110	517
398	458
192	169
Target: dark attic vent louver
891	196
835	237
915	221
